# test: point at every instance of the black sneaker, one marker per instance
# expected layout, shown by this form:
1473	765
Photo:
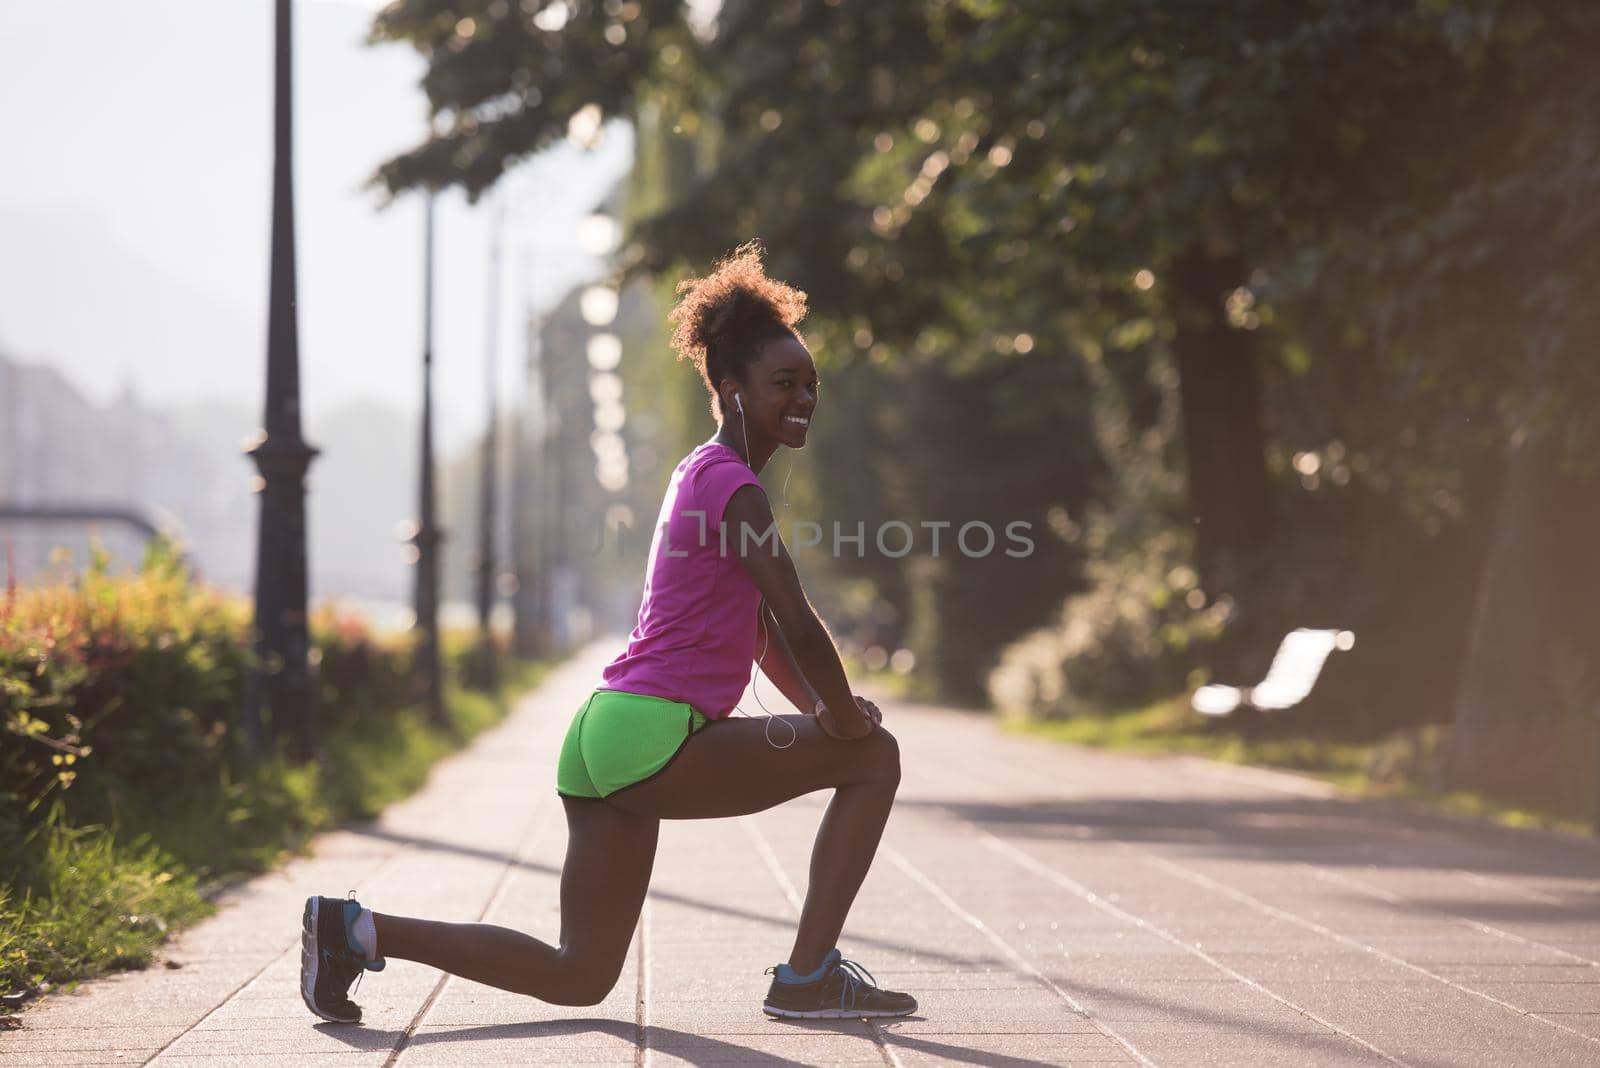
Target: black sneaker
845	990
329	961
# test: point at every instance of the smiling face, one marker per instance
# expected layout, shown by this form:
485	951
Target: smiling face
779	393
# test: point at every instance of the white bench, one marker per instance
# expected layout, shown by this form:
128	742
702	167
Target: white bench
1293	673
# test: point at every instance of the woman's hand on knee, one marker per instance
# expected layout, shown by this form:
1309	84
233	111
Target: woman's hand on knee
864	723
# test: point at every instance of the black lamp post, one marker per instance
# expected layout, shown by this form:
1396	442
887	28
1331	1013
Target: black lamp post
426	671
528	543
280	680
488	661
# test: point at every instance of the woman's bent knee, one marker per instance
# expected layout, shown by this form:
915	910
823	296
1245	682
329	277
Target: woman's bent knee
885	759
586	990
585	984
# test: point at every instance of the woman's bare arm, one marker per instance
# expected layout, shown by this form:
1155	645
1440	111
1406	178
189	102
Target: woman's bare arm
778	664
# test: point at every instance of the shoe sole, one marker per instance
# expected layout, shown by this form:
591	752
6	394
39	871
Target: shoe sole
309	961
834	1014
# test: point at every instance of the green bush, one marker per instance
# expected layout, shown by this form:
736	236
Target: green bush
113	682
1137	633
125	786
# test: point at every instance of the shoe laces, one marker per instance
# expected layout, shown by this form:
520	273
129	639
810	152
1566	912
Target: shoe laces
856	981
345	970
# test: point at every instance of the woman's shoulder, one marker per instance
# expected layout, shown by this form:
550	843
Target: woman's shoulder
710	452
713	473
715	460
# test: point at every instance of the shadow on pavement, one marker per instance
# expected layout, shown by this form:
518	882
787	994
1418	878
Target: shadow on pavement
685	1044
363	1039
960	1054
1328	832
1132	1011
1529	912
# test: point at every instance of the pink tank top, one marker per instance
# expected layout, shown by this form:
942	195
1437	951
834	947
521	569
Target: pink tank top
696	635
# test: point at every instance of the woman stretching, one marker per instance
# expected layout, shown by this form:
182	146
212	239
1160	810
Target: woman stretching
656	742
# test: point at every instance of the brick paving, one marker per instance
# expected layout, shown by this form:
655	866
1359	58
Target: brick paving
1047	906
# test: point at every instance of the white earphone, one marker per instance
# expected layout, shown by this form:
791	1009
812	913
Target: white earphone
738	404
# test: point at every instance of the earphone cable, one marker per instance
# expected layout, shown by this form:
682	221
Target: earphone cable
794	733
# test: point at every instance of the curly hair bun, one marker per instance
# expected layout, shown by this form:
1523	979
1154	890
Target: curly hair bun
721	319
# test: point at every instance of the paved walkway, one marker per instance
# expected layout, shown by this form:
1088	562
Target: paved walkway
1048	906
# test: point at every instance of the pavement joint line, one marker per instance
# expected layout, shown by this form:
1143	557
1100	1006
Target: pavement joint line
641	1008
235	992
769	857
1490	882
1066	882
1200	879
251	980
1010	951
1476	925
1397	851
541	823
1327	875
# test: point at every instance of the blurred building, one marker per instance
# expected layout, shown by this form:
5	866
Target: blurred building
58	448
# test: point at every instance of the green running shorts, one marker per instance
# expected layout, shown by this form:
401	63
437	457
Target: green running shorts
618	739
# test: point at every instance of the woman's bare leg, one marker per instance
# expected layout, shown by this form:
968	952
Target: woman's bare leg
610	853
730	769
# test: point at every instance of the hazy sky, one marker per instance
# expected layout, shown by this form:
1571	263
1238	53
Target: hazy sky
135	209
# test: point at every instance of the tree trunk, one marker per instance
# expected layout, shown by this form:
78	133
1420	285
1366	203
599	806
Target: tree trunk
1219	385
1525	722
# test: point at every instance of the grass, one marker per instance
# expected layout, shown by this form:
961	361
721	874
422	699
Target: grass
102	898
99	905
1396	767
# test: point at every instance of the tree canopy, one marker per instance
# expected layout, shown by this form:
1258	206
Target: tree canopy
988	170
